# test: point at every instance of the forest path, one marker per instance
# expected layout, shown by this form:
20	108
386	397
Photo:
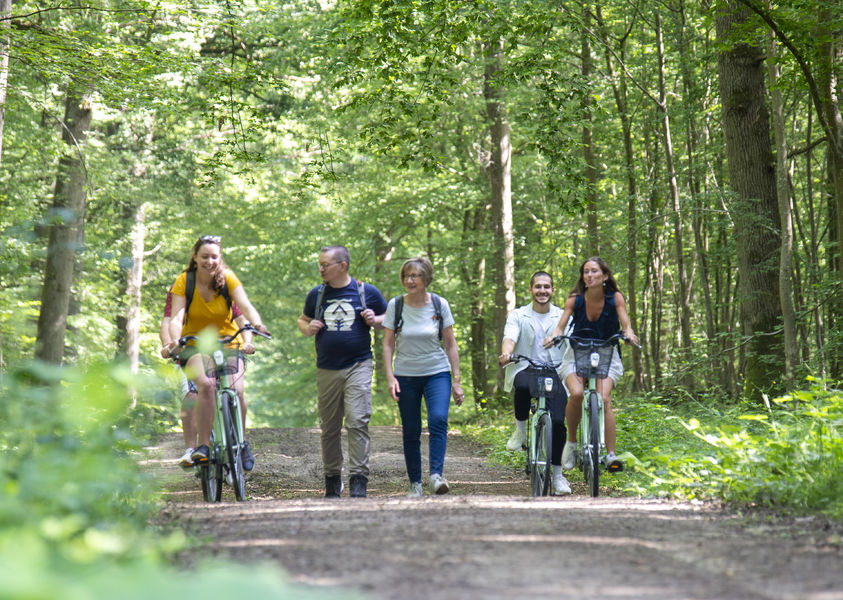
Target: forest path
488	539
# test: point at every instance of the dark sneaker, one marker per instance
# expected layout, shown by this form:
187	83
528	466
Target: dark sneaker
613	463
201	454
248	457
333	486
357	486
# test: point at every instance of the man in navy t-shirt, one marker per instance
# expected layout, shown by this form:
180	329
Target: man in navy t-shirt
341	313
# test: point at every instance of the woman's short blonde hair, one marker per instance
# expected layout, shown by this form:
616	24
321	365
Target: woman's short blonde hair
420	264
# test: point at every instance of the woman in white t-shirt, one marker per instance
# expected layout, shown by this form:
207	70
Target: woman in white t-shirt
419	334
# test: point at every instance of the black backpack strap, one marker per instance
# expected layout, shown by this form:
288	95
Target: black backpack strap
319	311
398	323
437	309
361	291
189	288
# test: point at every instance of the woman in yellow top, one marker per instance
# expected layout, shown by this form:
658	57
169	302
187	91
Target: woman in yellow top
209	308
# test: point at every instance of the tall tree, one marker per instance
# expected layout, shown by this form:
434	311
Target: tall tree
67	217
5	44
746	127
500	180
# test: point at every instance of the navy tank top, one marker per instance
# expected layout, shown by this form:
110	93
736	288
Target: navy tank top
604	327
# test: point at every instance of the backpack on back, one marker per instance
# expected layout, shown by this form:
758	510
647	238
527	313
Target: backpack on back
398	323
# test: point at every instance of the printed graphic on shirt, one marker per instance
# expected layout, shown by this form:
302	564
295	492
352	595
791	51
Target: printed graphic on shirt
339	315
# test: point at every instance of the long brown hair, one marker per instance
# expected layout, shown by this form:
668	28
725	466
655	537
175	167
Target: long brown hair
218	277
610	285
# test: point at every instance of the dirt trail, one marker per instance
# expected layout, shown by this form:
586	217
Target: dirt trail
488	539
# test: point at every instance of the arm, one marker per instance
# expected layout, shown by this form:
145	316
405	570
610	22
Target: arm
165	337
372	320
507	346
308	326
239	296
388	353
450	344
623	317
560	327
177	317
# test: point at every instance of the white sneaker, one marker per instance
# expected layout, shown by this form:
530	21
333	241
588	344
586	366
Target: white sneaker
438	485
561	487
568	456
186	461
517	440
415	490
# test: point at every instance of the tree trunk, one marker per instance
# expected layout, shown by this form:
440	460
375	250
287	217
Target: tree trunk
5	42
831	54
791	349
746	127
474	276
499	173
133	292
589	155
67	218
683	297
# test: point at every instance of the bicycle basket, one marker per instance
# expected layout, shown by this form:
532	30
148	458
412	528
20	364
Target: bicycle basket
232	362
537	377
582	356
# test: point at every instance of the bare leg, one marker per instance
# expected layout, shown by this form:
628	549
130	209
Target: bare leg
573	412
188	419
205	399
605	387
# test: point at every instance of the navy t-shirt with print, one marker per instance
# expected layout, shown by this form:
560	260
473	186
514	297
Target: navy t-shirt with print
345	339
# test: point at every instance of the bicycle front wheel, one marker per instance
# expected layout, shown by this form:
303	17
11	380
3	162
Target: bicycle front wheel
208	478
234	449
540	472
592	474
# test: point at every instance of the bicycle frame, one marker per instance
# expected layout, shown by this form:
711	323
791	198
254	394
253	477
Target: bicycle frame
539	434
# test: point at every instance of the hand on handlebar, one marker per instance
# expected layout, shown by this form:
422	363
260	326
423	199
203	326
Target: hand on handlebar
504	359
549	342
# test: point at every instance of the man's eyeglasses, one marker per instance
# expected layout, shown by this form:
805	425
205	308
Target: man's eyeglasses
210	239
323	266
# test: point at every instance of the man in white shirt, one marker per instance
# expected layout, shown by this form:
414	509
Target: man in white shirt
525	330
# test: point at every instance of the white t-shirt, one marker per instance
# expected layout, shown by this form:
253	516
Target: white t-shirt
418	352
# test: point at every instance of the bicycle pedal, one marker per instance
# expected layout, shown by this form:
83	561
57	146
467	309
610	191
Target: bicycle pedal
615	468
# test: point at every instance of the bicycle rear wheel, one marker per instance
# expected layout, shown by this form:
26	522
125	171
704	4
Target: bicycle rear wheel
234	449
592	462
540	473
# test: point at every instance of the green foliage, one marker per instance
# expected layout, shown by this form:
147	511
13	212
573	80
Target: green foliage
788	457
75	506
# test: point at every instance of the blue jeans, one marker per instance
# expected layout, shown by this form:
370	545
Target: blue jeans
436	390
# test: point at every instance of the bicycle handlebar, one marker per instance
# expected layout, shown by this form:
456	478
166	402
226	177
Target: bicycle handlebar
513	358
225	339
594	343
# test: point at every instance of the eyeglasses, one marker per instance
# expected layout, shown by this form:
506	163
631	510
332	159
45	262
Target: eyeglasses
412	276
210	239
323	266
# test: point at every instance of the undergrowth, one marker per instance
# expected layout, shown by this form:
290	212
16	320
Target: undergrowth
75	507
786	455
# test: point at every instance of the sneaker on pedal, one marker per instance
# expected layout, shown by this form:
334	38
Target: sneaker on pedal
438	484
415	490
248	457
517	441
569	455
186	461
613	463
201	454
561	487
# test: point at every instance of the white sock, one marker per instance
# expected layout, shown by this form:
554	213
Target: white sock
521	425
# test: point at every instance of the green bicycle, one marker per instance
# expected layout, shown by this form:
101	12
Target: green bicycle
225	462
593	357
539	433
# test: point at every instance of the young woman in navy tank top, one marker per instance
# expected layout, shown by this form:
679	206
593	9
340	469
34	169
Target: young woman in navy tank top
598	310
